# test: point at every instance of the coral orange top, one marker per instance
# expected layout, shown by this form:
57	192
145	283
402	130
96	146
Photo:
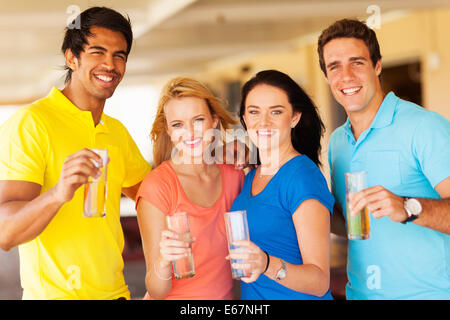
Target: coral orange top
212	280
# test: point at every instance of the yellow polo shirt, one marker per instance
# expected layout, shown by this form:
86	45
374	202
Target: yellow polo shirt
74	257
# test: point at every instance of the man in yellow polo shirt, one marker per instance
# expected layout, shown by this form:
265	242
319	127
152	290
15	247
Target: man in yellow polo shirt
45	159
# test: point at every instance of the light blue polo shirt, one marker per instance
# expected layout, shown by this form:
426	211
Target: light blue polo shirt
407	151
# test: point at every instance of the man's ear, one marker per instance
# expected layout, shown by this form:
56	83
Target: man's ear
378	67
71	60
325	76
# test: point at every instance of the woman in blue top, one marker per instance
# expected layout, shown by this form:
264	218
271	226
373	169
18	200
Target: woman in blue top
286	197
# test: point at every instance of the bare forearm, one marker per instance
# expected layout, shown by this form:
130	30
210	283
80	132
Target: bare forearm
435	214
306	278
158	285
22	221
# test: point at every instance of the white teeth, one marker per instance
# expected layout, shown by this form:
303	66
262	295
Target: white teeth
351	91
104	78
193	141
264	132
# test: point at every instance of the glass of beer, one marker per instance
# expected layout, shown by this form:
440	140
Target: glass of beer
358	223
95	189
237	229
179	223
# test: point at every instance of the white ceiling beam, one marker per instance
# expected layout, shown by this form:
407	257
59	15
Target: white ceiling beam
247	12
157	12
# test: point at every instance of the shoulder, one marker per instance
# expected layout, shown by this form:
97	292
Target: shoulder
231	172
302	179
233	178
115	124
411	114
161	175
337	136
304	173
29	118
301	165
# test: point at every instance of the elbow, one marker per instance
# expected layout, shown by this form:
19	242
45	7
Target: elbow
322	290
321	285
5	243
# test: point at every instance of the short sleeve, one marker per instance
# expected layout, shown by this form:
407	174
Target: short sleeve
156	191
431	146
23	148
136	166
306	182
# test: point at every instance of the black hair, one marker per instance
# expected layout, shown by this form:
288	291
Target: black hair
76	35
306	135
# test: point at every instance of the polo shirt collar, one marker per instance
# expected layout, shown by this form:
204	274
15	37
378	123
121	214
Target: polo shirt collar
386	111
384	116
64	104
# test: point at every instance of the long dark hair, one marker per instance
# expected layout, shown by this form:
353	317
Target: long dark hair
76	38
306	135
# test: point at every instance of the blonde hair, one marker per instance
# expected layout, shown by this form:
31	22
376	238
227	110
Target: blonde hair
181	87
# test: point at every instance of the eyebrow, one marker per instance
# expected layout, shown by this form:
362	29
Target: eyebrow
104	49
195	117
271	107
331	64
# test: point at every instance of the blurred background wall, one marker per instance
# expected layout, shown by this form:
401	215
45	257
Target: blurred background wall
222	43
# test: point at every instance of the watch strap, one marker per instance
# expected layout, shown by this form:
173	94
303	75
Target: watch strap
411	217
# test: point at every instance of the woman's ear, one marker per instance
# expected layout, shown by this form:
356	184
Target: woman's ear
216	121
296	119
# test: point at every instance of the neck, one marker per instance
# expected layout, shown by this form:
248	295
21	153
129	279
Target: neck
194	169
273	159
362	119
84	101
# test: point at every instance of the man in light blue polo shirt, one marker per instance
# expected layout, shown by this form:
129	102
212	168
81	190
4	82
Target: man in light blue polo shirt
405	151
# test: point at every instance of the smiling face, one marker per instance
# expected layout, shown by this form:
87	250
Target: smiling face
101	65
188	123
269	117
352	77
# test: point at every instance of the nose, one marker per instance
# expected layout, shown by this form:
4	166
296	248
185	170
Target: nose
264	120
108	62
347	72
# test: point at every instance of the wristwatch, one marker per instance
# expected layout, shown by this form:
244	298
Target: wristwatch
413	208
281	273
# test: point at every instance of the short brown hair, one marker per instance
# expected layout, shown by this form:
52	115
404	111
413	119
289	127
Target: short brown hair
347	28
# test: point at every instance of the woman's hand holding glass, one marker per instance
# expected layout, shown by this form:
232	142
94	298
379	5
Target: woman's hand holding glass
173	247
252	258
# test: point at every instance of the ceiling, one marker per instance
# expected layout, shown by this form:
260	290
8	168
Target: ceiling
171	36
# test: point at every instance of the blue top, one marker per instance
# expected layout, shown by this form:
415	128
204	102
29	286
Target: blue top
269	215
407	151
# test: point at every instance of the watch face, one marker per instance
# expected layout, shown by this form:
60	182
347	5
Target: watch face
281	274
413	206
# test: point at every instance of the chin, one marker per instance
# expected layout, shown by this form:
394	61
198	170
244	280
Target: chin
103	94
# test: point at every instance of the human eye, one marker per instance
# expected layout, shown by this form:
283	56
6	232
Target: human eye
120	56
199	119
277	112
333	67
176	125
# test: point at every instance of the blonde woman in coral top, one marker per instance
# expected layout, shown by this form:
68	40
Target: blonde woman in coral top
183	181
